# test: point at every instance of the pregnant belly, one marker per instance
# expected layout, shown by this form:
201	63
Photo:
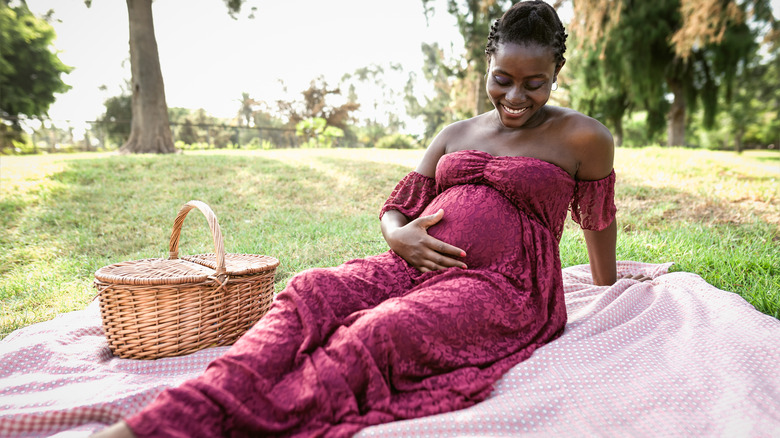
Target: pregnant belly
480	221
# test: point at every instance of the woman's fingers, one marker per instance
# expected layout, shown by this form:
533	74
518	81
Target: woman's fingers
437	245
446	248
638	277
439	257
427	253
430	220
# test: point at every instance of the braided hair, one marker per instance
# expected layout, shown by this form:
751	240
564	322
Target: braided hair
532	21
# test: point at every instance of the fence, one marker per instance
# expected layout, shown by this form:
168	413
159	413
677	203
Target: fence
204	135
106	135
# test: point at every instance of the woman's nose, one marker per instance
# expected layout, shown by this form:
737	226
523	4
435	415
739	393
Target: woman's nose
515	95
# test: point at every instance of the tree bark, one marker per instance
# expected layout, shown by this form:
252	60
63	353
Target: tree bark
150	131
738	141
676	132
617	131
480	94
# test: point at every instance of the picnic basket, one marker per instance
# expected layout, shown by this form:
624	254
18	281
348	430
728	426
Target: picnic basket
155	308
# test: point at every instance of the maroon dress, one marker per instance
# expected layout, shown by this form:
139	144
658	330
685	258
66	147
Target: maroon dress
374	340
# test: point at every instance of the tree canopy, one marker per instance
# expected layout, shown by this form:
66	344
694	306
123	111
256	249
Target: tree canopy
315	104
30	70
474	18
668	59
635	53
437	111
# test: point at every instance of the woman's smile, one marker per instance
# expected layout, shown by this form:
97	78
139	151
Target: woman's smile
514	112
519	80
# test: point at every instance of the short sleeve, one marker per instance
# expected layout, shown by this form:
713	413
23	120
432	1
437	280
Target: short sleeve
593	204
411	195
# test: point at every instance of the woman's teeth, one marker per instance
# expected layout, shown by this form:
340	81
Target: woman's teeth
511	111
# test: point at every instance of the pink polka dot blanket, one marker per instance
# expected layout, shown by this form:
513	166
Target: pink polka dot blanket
670	356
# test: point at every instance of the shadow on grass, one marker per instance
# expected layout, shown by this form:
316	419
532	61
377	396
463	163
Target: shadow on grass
96	212
774	158
112	209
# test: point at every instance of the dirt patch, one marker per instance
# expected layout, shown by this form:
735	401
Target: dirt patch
665	206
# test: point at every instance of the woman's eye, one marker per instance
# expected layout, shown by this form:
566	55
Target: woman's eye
534	85
500	80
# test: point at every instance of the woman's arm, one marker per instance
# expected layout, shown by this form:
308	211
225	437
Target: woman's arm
595	148
601	254
410	239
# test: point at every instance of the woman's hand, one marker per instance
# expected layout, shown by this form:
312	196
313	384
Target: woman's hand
413	244
637	277
117	430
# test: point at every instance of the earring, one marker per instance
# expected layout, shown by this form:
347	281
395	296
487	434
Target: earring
554	86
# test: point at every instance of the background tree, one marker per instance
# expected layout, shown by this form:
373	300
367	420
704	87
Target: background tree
187	133
436	112
316	104
115	121
379	101
53	138
598	90
753	115
247	109
150	131
474	18
764	128
317	133
30	72
611	77
686	48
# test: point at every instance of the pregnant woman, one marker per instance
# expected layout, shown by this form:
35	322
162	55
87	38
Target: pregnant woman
471	287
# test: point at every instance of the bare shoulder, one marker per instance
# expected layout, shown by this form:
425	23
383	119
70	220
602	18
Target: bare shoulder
589	141
439	146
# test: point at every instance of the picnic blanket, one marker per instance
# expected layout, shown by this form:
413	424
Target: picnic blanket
673	356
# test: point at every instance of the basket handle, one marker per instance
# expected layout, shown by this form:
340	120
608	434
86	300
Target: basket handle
211	218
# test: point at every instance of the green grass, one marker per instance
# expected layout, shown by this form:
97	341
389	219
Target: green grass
63	217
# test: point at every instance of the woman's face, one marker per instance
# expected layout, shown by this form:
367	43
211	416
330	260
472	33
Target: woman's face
520	77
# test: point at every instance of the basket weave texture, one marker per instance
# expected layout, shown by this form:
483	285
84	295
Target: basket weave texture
155	308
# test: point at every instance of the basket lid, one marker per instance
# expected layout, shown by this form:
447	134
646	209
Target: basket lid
154	272
237	264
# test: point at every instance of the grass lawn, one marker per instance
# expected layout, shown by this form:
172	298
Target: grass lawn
64	216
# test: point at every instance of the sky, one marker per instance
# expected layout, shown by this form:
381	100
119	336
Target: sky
208	59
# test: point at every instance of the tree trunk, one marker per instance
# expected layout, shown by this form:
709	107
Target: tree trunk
618	134
480	95
738	141
150	131
676	132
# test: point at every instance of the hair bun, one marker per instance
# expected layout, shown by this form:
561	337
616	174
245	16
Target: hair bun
533	21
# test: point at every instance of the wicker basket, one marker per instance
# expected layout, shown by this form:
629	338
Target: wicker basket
155	308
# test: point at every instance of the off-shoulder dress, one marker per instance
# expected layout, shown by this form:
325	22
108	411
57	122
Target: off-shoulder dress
374	340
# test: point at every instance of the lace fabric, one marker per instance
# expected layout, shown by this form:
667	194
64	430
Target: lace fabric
374	340
593	204
411	195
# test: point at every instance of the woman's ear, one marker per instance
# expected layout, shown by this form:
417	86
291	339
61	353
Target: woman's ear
558	70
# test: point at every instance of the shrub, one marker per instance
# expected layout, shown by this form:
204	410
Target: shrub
256	143
192	146
317	133
397	141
